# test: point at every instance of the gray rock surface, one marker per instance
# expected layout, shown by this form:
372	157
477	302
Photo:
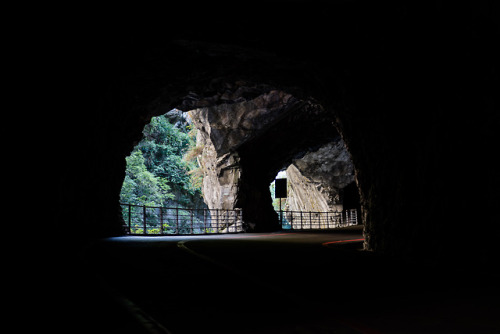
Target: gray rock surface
316	179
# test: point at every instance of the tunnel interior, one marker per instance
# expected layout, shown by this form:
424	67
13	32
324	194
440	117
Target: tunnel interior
393	95
409	88
399	167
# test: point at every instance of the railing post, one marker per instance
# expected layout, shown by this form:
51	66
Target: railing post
129	219
192	217
281	216
235	223
227	220
161	220
205	221
176	220
240	219
217	219
144	219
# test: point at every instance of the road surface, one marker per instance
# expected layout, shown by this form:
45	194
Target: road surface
283	282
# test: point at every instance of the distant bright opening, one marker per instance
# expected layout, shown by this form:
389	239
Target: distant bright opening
162	172
320	192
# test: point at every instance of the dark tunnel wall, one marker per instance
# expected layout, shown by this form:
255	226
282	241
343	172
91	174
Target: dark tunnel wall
410	90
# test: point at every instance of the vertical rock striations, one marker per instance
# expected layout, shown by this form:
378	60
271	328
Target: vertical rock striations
223	130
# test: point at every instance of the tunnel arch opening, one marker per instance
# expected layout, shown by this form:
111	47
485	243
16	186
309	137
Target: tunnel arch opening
251	128
252	133
322	182
395	109
288	112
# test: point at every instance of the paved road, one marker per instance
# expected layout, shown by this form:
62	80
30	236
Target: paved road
281	283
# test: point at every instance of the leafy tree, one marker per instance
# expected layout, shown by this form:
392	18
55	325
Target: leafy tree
158	174
142	187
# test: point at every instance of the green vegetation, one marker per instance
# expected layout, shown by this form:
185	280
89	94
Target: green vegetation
162	169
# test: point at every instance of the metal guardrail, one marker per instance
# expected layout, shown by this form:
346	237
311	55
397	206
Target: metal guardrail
300	220
150	220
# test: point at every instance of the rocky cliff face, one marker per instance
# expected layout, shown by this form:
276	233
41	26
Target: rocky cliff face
224	129
317	179
238	127
247	139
